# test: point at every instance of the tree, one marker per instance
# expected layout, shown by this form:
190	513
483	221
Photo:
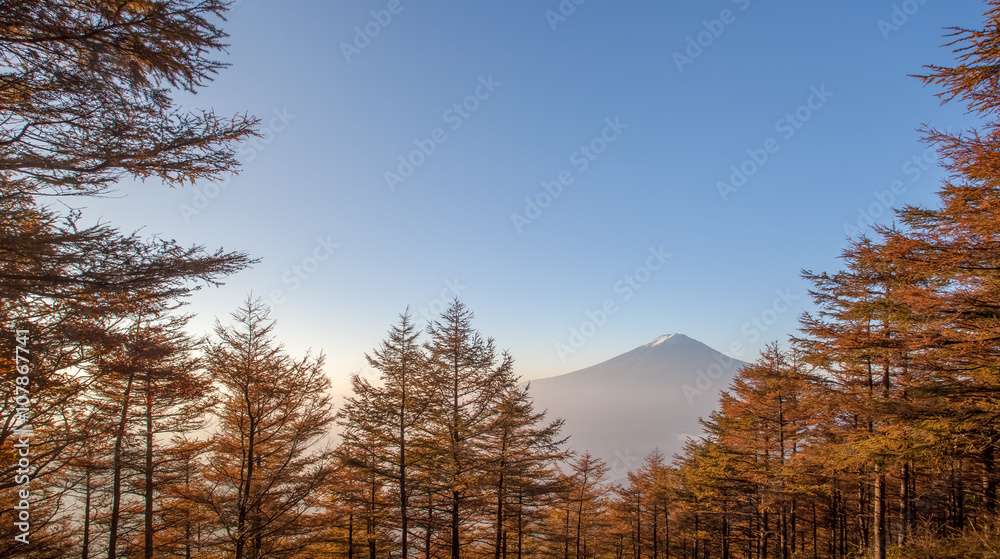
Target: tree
174	394
85	101
524	451
183	517
362	453
140	383
959	242
390	413
85	94
264	470
586	497
763	424
115	375
652	487
865	336
465	380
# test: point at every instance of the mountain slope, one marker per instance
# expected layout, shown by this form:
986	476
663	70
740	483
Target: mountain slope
649	397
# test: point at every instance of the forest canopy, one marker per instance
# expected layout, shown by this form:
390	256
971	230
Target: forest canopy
871	433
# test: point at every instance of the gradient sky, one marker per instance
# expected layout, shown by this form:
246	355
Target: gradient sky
338	118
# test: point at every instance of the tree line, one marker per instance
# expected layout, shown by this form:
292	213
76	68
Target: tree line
871	433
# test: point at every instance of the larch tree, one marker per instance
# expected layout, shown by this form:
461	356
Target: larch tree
185	522
174	396
390	412
363	450
267	464
866	336
116	379
143	386
86	93
652	487
959	242
347	510
524	449
761	427
466	379
586	494
86	100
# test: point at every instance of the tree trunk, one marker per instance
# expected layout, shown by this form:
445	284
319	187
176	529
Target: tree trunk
350	535
520	525
793	525
656	528
880	514
666	532
86	517
638	526
566	537
989	476
256	530
148	512
815	533
243	500
187	512
456	553
116	483
403	497
834	525
863	514
499	515
904	504
403	528
912	520
765	532
725	535
697	540
430	520
843	528
783	532
187	536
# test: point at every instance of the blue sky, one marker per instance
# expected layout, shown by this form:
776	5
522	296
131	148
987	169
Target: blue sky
489	102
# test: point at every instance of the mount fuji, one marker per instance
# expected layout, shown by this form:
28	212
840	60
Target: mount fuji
649	397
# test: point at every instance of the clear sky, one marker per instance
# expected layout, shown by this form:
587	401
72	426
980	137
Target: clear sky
404	140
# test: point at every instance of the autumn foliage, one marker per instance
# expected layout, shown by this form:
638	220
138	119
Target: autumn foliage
872	433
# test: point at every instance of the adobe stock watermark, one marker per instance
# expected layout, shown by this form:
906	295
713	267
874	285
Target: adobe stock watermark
22	433
562	13
298	273
432	310
914	169
365	33
203	195
623	463
786	126
751	332
900	16
714	28
581	160
624	289
454	116
759	324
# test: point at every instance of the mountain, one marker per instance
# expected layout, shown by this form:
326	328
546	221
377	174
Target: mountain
650	397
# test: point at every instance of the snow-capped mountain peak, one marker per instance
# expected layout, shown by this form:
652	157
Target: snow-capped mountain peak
659	340
651	396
